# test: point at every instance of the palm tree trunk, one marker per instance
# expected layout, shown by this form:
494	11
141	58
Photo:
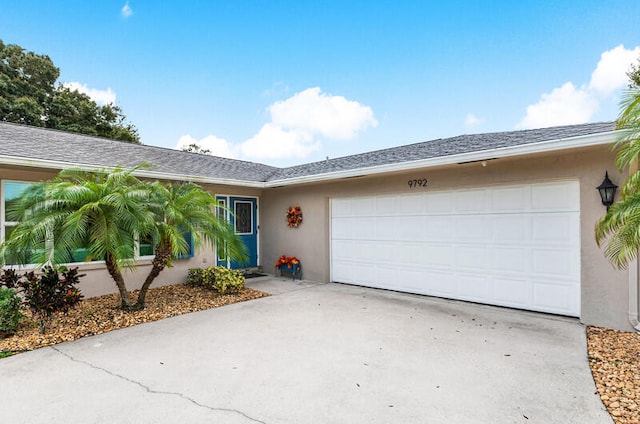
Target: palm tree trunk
163	254
115	273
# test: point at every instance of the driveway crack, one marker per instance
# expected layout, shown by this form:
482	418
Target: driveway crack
160	392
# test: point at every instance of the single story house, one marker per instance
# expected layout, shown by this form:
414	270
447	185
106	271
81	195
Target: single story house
502	218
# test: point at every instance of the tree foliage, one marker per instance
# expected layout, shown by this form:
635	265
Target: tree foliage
619	229
634	76
29	95
196	148
110	212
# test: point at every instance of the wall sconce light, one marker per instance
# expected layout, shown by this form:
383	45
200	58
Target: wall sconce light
607	191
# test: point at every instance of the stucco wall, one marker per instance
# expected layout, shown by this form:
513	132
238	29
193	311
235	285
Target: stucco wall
604	290
97	281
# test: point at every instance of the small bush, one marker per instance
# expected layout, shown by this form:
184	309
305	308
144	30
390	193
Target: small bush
227	280
219	278
196	277
47	293
10	311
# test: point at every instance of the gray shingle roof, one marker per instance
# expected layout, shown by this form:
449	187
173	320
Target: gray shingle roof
76	149
443	147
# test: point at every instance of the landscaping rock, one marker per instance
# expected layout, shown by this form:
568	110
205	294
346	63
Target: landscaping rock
614	358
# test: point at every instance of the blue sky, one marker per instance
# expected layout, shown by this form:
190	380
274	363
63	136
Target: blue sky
288	82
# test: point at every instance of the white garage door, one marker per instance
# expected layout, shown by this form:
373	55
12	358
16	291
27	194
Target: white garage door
516	246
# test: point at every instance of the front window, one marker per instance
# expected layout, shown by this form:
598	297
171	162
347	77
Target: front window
10	191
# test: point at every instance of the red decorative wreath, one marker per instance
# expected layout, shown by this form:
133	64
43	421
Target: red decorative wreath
294	216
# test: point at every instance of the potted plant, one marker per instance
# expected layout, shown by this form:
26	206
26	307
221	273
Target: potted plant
289	264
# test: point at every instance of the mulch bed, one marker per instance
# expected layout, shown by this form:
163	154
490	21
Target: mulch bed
614	358
101	314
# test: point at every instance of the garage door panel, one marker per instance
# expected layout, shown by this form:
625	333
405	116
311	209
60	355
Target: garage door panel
554	197
439	228
361	228
514	245
510	199
471	257
342	248
384	228
411	204
409	228
472	228
439	202
439	284
364	206
510	228
471	201
386	251
436	255
340	208
509	260
341	228
385	205
343	271
366	274
512	292
556	262
553	297
556	228
368	251
473	287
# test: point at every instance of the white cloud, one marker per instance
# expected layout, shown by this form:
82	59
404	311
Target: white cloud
321	113
102	97
563	106
471	120
294	127
217	146
611	72
275	142
570	104
126	10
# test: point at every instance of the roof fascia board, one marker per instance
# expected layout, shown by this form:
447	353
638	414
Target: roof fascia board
57	165
500	152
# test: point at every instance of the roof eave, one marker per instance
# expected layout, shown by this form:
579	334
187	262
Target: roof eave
59	165
501	152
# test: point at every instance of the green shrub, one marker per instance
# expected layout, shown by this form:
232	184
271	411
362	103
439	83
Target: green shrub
227	280
196	277
54	290
219	278
10	311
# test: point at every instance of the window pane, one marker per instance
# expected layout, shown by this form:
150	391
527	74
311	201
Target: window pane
82	254
243	217
12	190
188	238
28	256
146	246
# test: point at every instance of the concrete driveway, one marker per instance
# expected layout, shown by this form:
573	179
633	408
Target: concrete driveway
314	353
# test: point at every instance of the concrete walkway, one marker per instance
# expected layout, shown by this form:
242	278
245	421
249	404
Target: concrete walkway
315	353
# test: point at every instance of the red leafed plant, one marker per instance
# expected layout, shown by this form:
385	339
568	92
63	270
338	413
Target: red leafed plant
289	261
294	216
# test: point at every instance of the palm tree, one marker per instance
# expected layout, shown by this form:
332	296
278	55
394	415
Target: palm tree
181	209
103	211
108	213
620	227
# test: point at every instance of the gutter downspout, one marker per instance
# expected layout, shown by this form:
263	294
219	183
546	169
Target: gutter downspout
633	294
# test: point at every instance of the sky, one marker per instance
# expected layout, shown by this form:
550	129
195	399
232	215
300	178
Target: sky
290	82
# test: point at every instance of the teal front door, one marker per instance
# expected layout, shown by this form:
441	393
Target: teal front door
242	213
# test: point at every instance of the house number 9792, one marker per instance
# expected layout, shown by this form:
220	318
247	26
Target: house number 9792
417	183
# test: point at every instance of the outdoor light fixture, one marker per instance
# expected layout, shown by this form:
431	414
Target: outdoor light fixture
607	191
